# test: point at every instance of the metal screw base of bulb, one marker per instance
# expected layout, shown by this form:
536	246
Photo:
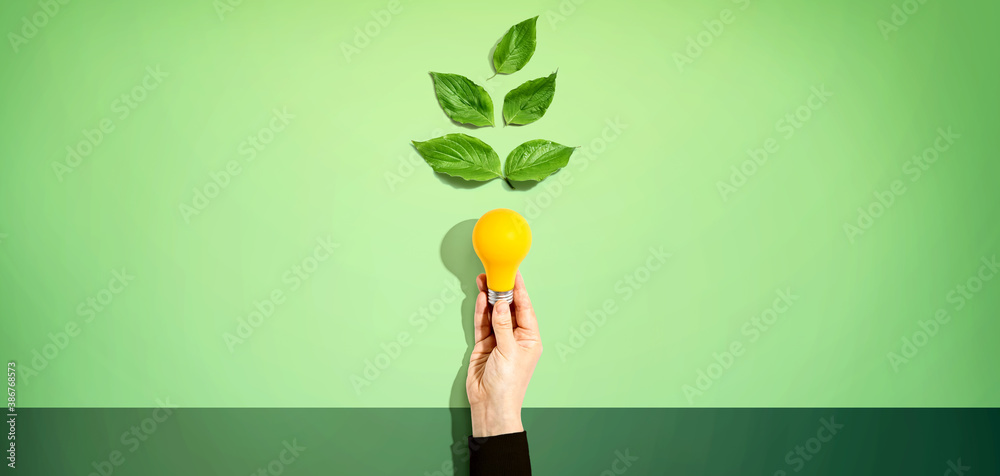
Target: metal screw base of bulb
494	296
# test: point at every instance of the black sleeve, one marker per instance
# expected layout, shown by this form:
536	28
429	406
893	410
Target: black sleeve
500	455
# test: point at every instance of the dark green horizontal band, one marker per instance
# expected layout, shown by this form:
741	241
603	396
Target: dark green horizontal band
563	441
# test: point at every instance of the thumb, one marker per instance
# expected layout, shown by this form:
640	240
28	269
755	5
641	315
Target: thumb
503	327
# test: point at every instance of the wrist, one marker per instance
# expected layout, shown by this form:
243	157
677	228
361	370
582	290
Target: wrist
492	420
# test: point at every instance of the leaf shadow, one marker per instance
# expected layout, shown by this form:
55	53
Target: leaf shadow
489	57
466	126
524	186
460	183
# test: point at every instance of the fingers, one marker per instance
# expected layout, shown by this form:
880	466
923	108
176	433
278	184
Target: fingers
525	313
481	318
503	328
481	283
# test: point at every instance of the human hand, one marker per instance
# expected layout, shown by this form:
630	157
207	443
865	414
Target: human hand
504	356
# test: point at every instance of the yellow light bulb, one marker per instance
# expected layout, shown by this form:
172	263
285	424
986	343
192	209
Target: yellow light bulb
501	239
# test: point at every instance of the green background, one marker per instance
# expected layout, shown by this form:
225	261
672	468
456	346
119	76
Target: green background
401	441
343	168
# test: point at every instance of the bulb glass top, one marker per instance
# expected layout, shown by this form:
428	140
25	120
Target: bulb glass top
501	239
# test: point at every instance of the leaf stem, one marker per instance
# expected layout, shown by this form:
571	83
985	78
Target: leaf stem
505	179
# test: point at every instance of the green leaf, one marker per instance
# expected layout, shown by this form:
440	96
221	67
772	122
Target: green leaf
528	102
536	159
462	100
462	156
515	48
